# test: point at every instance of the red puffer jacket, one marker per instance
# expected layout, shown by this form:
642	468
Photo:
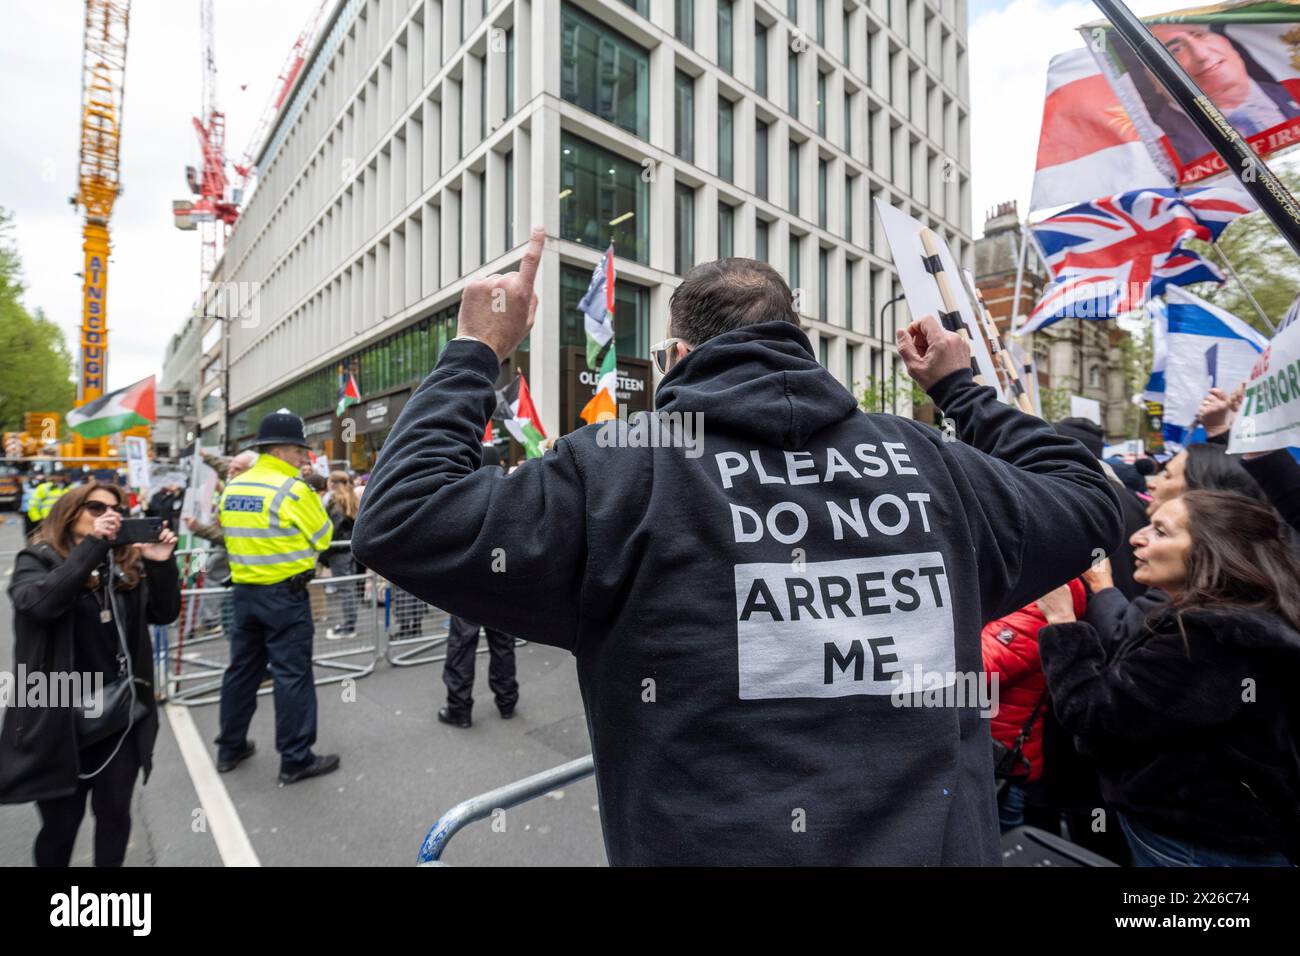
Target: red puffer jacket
1011	651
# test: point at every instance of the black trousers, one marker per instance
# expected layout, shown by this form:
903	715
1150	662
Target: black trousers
458	671
110	800
272	624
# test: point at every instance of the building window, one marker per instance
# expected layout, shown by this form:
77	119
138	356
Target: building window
760	159
482	217
1094	376
846	33
821	22
760	241
640	6
793	271
604	73
685	116
510	200
510	71
724	35
849	269
685	10
726	140
848	122
824	352
793	185
482	99
726	231
685	213
631	313
603	199
823	283
821	104
760	59
850	355
792	10
821	193
848	208
792	85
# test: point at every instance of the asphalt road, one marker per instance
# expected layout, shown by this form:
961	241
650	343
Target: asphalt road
400	770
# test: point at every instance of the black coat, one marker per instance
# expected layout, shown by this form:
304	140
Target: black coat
1194	739
39	757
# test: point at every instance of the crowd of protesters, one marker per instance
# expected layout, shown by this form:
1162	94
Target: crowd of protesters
1146	705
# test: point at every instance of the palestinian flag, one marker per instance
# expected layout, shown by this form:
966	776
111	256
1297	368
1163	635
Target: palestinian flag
349	394
523	424
604	404
487	435
597	307
116	411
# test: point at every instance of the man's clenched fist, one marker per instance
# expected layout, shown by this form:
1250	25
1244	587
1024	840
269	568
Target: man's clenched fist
500	309
931	352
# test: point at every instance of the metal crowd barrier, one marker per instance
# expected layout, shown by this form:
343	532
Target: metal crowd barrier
502	798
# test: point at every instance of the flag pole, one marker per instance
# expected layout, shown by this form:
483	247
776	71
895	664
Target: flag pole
1021	256
1227	264
1272	197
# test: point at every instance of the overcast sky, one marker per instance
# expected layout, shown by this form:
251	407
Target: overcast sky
154	271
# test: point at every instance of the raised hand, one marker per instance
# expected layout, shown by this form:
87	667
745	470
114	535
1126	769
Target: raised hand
930	352
500	309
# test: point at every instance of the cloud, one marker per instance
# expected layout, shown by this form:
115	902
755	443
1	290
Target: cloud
154	268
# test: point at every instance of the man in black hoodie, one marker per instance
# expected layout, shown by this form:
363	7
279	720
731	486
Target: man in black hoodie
743	613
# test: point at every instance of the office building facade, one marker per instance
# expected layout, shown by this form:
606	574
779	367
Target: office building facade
424	138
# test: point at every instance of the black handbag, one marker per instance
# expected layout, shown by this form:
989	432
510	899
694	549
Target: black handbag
1010	763
112	711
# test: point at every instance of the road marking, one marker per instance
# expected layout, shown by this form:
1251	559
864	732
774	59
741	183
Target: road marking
223	819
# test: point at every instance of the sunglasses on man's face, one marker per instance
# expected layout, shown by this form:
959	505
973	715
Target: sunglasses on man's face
662	353
97	508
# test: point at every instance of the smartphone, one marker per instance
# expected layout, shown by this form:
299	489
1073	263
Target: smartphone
139	530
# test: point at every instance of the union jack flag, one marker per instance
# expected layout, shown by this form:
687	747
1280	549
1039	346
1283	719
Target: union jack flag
1110	256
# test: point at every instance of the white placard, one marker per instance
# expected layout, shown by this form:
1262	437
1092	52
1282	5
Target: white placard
1269	417
922	291
137	461
1088	408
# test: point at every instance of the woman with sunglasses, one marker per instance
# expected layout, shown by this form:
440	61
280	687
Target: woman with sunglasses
82	609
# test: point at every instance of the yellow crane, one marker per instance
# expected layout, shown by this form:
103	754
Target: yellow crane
103	84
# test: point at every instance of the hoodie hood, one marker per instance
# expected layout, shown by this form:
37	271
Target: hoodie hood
760	381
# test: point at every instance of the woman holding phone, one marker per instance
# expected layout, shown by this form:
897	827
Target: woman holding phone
82	610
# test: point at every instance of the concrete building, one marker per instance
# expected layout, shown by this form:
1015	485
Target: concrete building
178	389
1074	356
423	138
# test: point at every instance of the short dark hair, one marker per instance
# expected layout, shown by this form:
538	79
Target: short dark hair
722	296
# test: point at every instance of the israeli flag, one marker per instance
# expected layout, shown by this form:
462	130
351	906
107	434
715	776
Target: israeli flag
1192	327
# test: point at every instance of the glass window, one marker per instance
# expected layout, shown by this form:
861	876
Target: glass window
849	269
604	72
760	59
792	10
823	284
726	140
792	85
685	10
848	122
760	159
510	200
850	354
482	99
510	71
821	104
726	231
685	215
724	34
482	218
821	22
793	185
845	34
793	276
631	313
821	193
848	208
603	199
640	6
824	351
685	116
760	241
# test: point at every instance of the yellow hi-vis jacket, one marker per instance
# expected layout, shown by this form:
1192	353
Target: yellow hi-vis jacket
273	522
43	498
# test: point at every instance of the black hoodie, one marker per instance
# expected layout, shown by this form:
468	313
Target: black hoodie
739	617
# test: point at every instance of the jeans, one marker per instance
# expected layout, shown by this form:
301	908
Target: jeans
1155	849
1011	807
110	799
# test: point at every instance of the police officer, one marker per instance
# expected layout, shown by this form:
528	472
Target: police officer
274	527
43	498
